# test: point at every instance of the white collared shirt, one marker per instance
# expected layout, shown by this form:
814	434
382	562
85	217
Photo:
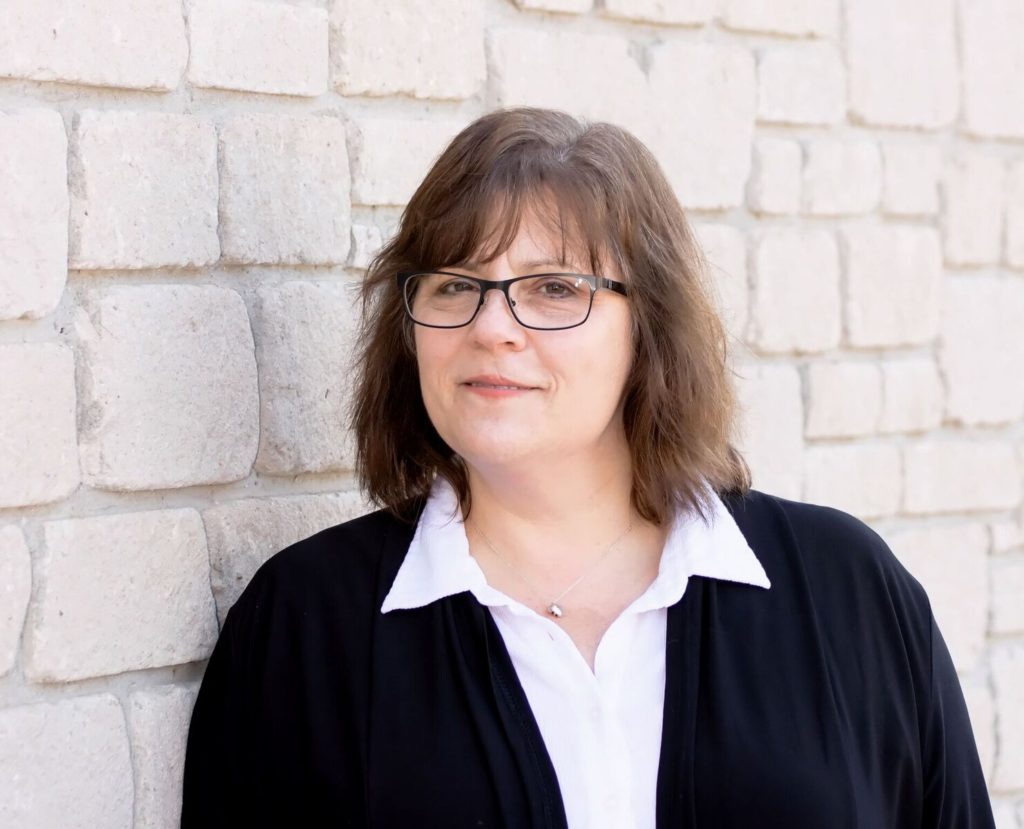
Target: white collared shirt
602	728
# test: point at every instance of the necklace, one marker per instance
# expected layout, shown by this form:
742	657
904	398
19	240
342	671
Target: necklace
554	608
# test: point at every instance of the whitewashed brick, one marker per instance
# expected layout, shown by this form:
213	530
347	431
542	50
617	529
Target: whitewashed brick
1008	679
860	478
910	185
390	156
367	240
99	42
981	708
15	585
802	84
951	562
598	78
726	257
842	177
158	720
169	394
1007	535
959	475
902	61
704	100
120	593
784	17
65	765
423	48
973	190
981	348
38	451
1007	813
992	32
305	336
1007	591
284	190
244	534
771	433
565	6
893	284
912	396
143	190
844	399
774	186
795	306
33	212
258	47
1015	215
685	12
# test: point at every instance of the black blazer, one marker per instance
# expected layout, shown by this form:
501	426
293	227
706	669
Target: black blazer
828	701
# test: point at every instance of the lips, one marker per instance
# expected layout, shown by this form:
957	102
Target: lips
496	381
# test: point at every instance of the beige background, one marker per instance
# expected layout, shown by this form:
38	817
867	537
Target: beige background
188	195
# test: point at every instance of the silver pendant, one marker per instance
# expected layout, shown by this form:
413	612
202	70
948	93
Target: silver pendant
555	610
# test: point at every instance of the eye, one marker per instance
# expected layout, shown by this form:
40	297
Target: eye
453	286
559	287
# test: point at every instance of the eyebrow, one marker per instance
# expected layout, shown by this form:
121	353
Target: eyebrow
473	265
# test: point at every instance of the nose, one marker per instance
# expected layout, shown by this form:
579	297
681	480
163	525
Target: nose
494	322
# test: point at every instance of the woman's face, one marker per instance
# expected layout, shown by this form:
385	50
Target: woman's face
567	384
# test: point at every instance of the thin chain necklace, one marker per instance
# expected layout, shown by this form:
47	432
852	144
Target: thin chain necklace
554	608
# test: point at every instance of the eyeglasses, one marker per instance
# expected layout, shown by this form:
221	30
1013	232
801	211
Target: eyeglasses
543	301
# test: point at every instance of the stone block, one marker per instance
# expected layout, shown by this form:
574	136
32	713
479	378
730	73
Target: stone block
1007	812
774	186
842	177
65	764
33	212
844	399
390	156
961	475
243	534
860	478
15	586
423	48
893	284
598	77
902	62
143	191
120	593
703	100
951	562
973	195
563	6
981	349
1015	215
771	428
1007	590
38	450
258	47
168	387
120	43
367	240
783	17
795	305
726	258
992	32
158	719
1007	535
1008	679
284	190
910	183
682	12
801	85
912	396
305	338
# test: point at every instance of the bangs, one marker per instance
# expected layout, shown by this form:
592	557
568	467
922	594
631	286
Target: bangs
477	224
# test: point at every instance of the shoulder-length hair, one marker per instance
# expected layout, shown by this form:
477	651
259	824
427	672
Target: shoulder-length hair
606	194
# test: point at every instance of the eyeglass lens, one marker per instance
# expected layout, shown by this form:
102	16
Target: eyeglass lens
543	301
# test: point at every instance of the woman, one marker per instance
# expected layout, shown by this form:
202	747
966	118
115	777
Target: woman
574	610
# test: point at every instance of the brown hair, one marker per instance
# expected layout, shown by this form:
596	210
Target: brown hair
607	195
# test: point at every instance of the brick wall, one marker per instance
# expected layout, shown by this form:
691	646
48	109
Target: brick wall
187	198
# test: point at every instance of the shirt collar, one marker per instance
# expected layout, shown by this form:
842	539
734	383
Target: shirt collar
438	562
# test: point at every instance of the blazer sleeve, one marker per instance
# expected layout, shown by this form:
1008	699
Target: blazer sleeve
955	794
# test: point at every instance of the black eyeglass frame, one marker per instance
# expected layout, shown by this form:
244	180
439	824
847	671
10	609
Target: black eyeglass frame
503	285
